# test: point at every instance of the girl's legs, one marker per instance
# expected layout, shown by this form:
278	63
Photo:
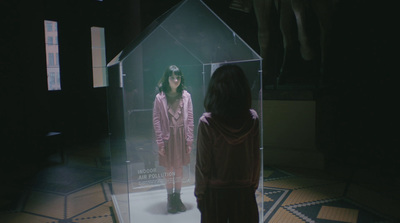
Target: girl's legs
178	185
169	179
174	181
178	179
169	184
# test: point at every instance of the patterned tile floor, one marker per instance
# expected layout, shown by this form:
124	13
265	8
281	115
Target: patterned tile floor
78	191
299	198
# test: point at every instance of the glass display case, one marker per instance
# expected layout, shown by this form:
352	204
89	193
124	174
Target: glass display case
192	37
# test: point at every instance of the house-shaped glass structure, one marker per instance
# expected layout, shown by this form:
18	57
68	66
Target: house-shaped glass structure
192	37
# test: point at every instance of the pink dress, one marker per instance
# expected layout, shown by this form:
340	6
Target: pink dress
175	147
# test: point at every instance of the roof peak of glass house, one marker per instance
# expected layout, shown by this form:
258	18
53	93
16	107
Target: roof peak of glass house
193	27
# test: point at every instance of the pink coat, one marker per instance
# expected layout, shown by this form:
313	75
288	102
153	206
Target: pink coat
161	121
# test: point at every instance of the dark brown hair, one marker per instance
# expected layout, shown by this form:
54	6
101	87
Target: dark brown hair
163	84
228	94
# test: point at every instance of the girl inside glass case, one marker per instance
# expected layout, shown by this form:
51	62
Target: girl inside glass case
173	126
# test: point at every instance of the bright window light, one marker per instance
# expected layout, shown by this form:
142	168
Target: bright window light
99	57
52	61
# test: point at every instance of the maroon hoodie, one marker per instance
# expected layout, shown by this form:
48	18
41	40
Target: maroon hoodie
228	155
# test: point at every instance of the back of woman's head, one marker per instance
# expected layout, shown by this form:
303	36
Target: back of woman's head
228	94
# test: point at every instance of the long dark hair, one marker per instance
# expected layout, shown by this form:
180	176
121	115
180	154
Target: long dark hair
228	95
163	84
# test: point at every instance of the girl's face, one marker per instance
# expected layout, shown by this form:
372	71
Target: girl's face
174	81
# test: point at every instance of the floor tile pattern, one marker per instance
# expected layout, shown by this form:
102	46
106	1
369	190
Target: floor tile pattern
79	191
304	199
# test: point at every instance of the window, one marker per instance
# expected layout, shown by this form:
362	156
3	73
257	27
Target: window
57	60
50	40
52	61
99	57
49	26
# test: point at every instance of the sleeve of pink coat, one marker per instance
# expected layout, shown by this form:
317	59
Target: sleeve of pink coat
190	123
157	122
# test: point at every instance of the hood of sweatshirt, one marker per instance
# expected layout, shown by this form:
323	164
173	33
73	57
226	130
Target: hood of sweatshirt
234	133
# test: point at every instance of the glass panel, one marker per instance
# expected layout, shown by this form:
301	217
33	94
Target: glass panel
205	35
119	161
193	38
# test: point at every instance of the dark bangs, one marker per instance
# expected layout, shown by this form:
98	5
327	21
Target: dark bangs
163	84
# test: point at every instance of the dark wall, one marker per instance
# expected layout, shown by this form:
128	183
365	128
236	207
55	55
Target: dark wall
355	111
23	81
357	104
356	107
29	111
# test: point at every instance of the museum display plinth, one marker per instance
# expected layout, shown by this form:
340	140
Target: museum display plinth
290	127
